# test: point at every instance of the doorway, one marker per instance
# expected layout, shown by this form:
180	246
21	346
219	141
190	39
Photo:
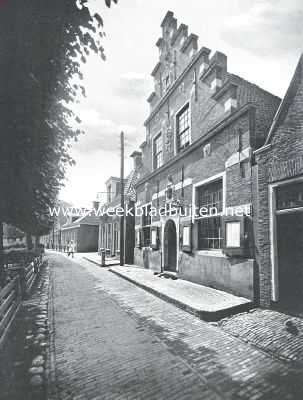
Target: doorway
170	246
290	257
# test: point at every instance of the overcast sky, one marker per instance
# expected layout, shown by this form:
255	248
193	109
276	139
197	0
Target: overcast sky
262	40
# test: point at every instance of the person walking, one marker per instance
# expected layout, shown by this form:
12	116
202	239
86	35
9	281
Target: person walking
71	248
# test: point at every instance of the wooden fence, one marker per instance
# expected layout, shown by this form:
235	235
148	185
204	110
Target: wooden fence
22	269
10	300
27	268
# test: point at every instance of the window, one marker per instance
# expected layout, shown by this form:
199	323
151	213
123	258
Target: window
116	237
117	188
210	233
186	243
183	128
233	234
109	236
154	240
210	198
290	196
158	151
109	193
146	222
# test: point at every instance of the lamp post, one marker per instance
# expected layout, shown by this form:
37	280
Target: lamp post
122	244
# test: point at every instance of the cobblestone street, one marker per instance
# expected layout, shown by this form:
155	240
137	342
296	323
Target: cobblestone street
113	340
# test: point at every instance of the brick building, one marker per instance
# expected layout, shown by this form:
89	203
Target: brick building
109	223
280	201
84	233
203	126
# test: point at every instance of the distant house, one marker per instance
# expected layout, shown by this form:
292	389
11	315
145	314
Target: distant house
67	214
280	202
84	233
109	225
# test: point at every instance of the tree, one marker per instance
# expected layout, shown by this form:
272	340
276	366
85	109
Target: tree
42	45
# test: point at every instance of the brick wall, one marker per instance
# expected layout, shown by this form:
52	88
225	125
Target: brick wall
277	163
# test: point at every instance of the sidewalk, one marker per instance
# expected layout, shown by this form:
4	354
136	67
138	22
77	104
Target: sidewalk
268	330
204	302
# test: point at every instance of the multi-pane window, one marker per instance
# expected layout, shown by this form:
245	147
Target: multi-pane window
183	128
158	151
210	198
146	223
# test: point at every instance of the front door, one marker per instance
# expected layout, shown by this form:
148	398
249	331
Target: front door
170	246
290	256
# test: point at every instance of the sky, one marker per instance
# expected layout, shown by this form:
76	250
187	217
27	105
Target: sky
262	40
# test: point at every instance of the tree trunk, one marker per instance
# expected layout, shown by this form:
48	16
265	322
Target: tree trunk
2	272
37	243
29	241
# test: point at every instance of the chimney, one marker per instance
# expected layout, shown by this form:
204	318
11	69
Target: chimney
96	205
137	157
204	60
230	103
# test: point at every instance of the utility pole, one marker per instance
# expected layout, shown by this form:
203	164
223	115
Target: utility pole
122	201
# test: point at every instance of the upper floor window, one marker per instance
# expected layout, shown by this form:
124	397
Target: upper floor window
183	128
158	151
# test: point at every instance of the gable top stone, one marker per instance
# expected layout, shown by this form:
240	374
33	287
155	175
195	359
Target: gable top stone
166	20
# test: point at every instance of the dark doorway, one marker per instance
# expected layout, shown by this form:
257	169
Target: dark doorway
170	246
290	257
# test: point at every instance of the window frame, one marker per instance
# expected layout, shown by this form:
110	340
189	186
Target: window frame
154	154
186	247
154	245
241	249
179	112
195	219
146	227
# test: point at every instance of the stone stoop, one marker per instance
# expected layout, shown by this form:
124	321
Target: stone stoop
204	302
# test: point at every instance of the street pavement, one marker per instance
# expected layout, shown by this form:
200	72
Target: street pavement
113	340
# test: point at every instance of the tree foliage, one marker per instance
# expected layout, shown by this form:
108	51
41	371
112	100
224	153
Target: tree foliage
42	46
